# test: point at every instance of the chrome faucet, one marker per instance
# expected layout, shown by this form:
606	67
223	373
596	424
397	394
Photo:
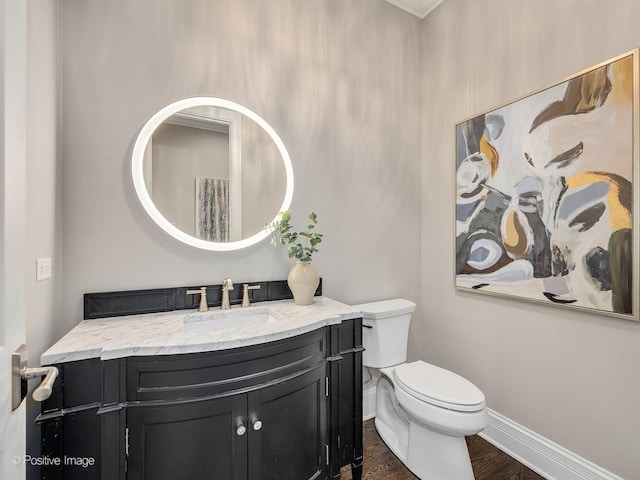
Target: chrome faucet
226	286
203	298
245	293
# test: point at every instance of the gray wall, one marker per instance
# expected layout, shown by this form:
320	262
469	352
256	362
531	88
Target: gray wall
571	377
339	81
44	210
264	179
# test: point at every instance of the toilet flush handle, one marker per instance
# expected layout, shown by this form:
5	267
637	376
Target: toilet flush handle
367	326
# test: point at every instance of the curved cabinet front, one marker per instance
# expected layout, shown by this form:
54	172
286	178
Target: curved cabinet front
255	412
258	412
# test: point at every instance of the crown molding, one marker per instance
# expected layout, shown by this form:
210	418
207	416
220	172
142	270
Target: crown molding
419	8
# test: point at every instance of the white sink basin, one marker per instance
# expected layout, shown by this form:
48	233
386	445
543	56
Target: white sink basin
236	318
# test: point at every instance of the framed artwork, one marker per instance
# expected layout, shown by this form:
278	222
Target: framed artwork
547	194
212	209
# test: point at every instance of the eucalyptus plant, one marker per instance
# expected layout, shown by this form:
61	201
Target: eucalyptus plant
300	245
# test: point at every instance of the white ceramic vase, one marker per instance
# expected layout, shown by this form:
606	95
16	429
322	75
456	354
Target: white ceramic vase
303	282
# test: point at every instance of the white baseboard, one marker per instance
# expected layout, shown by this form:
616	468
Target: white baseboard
369	403
541	455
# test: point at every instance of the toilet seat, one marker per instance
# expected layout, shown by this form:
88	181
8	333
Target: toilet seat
439	387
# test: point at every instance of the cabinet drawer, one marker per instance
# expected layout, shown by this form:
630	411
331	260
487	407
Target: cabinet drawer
168	377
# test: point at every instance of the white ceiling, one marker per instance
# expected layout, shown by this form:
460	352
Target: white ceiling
419	8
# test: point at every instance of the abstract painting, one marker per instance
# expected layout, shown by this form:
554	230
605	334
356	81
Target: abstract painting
545	194
212	209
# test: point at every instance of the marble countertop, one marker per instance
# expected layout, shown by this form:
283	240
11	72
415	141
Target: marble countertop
165	333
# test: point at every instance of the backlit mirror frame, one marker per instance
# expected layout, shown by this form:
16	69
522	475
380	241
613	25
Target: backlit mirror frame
137	172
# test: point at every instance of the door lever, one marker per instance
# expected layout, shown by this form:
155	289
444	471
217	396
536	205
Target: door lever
44	389
20	373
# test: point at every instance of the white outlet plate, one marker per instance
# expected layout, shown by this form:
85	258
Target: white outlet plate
43	269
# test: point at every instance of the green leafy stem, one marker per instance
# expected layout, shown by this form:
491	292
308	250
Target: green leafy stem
300	245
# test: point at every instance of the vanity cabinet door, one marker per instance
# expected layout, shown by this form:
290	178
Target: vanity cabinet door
290	442
276	432
83	423
190	440
346	397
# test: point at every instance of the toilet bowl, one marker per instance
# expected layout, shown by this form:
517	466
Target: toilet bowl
423	412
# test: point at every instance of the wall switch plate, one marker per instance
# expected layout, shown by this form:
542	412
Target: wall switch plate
43	269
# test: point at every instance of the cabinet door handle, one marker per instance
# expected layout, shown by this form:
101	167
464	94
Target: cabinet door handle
241	430
257	424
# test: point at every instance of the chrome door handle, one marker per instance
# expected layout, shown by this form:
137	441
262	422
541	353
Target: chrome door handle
44	389
20	373
241	430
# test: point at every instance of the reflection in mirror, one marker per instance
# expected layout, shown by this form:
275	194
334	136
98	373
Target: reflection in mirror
212	173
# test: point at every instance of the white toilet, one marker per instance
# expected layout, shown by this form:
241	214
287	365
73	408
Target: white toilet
423	412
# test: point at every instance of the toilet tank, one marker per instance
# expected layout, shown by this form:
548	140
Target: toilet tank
385	332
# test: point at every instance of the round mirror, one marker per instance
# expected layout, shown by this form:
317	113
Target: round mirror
212	173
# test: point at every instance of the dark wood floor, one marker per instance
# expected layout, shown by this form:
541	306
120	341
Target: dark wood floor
488	462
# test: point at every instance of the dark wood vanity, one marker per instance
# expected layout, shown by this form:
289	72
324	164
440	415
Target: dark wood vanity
287	409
